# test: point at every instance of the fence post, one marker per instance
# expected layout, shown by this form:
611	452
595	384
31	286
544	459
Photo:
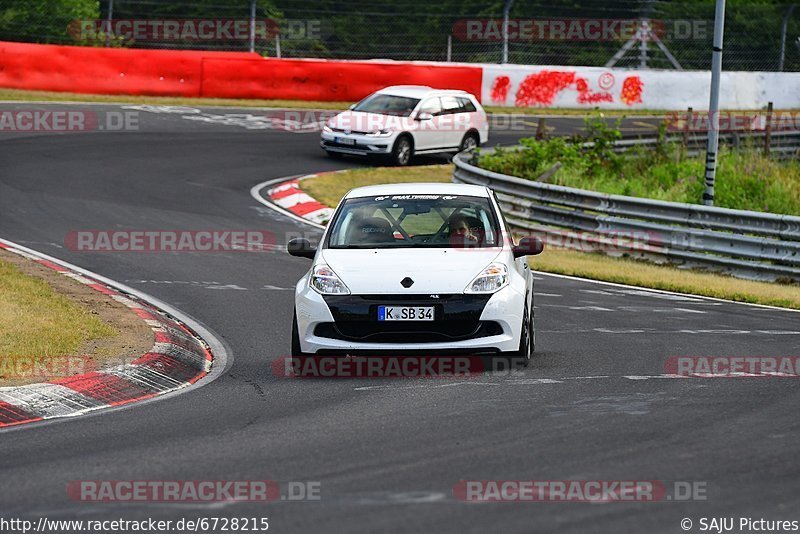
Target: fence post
506	11
784	26
278	45
110	17
686	127
768	133
449	48
252	26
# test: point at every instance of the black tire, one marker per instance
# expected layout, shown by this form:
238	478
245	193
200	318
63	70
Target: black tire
470	141
334	155
403	151
296	351
526	340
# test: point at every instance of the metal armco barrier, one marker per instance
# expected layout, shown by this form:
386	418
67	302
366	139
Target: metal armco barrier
746	244
783	144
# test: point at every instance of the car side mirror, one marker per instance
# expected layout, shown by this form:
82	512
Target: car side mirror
424	117
351	106
528	246
301	248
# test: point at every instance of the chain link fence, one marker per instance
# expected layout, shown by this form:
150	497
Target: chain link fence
761	36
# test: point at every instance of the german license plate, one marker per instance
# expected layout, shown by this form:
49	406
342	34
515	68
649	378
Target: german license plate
405	313
344	141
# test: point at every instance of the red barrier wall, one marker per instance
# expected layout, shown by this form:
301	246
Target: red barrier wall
304	79
80	69
214	74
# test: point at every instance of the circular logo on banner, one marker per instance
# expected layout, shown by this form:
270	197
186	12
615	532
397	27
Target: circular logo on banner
606	81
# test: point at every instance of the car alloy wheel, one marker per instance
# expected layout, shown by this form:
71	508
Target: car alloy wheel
402	152
469	142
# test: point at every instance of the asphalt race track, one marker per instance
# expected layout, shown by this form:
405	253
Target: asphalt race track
593	404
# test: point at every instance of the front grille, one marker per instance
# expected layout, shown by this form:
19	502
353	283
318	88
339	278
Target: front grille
456	317
348	132
344	145
407	332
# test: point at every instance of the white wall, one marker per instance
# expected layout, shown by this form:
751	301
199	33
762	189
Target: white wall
590	87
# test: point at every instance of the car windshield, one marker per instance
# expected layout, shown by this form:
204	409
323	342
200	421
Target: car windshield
399	106
415	221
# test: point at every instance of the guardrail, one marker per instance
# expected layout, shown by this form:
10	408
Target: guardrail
746	244
779	144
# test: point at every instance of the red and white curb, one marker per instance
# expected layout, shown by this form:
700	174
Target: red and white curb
290	197
178	359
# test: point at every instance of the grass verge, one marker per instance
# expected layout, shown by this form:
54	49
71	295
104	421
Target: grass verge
38	321
330	188
52	326
52	96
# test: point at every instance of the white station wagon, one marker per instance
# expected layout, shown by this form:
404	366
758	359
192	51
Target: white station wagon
404	120
417	266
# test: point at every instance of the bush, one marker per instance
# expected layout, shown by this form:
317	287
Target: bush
745	178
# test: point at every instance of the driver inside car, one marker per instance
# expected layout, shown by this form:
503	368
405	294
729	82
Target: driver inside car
459	230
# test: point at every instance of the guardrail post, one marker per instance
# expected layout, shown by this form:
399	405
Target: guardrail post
768	133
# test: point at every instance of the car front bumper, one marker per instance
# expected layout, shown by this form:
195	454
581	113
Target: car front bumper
363	145
462	323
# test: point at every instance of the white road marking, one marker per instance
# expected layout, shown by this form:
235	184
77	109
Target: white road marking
663	292
203	284
509	381
618	330
652	309
228	286
779	332
532	381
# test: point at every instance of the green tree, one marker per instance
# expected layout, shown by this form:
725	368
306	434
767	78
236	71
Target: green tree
43	21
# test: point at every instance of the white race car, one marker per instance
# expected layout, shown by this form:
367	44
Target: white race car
415	267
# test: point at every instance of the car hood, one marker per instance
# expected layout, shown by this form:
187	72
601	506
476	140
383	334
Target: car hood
359	121
434	271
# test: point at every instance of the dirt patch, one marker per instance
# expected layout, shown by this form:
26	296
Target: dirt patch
133	336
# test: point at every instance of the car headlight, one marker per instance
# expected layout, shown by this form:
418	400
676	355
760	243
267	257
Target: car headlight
380	133
323	280
327	129
493	278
